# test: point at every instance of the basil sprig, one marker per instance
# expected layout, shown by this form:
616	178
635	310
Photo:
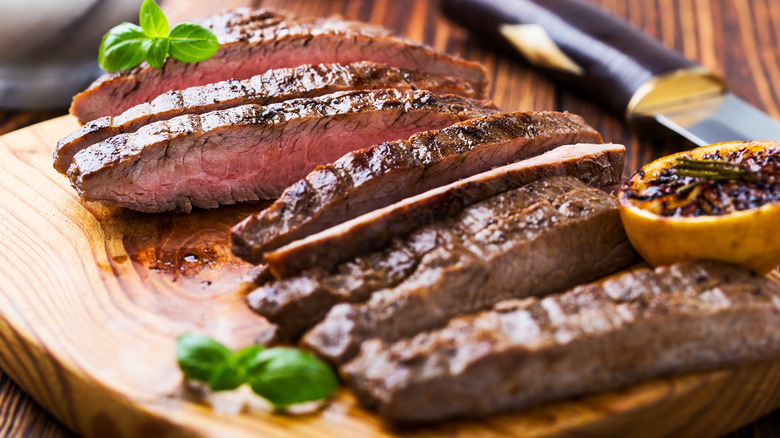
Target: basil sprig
127	44
283	376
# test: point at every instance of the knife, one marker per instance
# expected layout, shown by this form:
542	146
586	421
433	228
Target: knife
616	64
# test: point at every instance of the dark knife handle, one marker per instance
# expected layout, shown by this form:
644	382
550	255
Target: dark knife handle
617	58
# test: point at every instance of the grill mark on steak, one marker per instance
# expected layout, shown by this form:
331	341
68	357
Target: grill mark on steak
298	302
273	86
542	238
252	152
245	20
248	50
638	326
380	175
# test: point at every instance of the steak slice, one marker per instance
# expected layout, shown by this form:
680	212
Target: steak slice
252	152
598	337
245	20
595	164
542	238
252	43
296	303
375	177
271	87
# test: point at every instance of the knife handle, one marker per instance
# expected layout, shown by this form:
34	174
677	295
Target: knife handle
615	63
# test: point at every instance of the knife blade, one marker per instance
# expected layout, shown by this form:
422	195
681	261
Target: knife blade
635	76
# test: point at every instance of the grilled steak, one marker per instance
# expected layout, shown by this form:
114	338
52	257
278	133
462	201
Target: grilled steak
252	43
252	152
380	175
544	237
295	304
595	164
637	326
273	86
245	20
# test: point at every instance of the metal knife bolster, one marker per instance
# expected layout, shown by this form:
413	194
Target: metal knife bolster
591	50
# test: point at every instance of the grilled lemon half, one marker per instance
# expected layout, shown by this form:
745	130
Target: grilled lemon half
718	202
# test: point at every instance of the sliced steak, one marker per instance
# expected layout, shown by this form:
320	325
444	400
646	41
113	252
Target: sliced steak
599	337
252	152
372	178
271	87
595	164
251	46
245	20
544	237
296	303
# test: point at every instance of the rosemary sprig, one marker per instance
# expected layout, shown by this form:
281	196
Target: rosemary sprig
713	169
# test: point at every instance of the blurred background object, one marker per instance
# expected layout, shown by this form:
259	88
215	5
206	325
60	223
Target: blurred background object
48	48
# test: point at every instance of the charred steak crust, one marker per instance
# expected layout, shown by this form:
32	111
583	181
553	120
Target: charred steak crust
273	86
542	238
297	303
245	20
637	326
377	176
252	152
268	43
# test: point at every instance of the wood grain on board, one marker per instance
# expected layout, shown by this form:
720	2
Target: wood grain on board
92	296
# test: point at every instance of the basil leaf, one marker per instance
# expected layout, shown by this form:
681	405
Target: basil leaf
286	376
199	356
155	51
126	45
152	20
192	43
244	357
121	48
226	376
232	374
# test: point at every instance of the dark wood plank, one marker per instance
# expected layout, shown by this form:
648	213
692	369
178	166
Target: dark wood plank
12	120
21	416
737	37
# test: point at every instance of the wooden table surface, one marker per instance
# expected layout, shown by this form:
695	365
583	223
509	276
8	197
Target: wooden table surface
740	38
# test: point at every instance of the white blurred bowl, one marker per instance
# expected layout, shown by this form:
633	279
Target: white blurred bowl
48	48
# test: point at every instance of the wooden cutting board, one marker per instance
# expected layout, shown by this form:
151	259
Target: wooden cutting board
92	298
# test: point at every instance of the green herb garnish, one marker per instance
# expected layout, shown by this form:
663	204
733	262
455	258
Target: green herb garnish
712	169
127	44
283	376
286	376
